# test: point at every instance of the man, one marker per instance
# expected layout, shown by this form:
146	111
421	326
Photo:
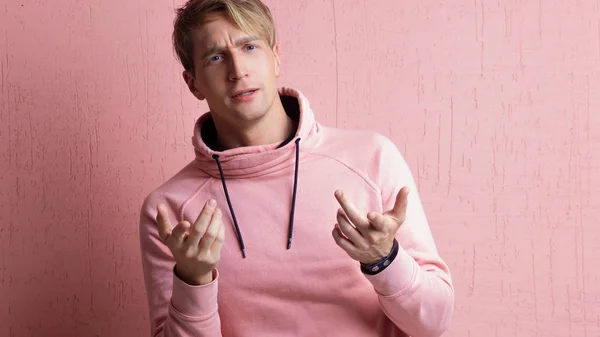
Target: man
282	226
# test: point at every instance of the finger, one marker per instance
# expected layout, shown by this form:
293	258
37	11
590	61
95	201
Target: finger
342	241
179	233
359	220
164	225
199	227
381	222
212	231
350	231
400	205
220	239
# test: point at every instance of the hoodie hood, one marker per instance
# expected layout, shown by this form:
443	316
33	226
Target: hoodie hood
253	161
249	161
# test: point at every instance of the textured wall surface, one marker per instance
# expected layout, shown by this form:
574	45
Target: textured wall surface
495	104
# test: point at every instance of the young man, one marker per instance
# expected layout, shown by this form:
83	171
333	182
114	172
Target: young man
282	226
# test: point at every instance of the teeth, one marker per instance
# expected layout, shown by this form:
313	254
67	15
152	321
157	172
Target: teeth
245	93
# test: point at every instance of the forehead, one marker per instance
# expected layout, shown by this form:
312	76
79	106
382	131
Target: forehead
217	31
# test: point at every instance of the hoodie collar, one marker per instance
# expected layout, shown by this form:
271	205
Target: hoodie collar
248	161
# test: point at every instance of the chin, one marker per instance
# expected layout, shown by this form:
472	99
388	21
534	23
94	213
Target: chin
251	115
251	112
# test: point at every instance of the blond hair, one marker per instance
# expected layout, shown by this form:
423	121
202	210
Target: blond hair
252	16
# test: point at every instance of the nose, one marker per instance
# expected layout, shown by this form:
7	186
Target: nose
237	68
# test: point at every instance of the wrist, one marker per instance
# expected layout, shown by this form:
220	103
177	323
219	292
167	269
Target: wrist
386	251
378	266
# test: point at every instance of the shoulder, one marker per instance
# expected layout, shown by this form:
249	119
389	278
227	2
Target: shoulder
174	191
360	148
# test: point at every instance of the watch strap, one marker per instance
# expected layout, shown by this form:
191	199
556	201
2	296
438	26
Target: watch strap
377	267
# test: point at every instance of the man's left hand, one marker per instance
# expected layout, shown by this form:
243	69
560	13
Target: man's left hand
368	238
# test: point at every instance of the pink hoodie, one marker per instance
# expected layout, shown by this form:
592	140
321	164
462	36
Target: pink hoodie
314	288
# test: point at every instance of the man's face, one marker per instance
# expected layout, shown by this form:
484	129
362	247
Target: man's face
234	71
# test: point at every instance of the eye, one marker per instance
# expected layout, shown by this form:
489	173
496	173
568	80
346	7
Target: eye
250	47
215	58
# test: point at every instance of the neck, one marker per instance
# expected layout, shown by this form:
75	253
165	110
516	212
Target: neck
274	127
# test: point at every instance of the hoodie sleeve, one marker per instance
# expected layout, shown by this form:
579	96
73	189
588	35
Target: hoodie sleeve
415	290
175	308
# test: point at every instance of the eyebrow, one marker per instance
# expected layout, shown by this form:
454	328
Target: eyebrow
212	49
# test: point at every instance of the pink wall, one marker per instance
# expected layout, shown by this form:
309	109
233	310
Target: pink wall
495	104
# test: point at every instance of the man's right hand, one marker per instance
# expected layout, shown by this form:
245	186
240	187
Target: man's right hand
197	247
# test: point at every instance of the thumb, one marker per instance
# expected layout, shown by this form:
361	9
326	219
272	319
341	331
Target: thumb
400	205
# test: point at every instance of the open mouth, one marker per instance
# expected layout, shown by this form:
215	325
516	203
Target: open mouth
245	93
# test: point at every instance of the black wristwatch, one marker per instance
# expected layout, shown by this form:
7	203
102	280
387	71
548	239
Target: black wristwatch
377	267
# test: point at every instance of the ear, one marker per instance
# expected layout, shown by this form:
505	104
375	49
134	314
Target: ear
190	80
277	59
